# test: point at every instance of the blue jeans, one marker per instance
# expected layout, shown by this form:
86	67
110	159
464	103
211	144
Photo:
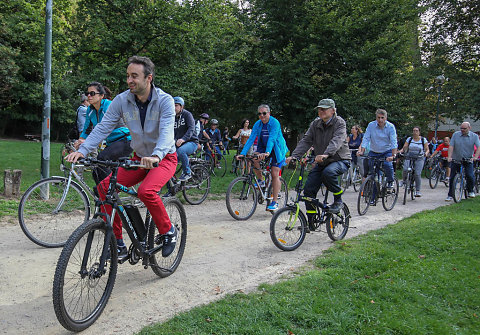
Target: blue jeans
326	175
387	166
183	151
454	169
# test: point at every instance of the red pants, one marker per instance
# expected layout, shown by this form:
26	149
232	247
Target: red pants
152	181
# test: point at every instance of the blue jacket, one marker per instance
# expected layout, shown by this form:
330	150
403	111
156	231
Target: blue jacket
94	119
275	142
154	138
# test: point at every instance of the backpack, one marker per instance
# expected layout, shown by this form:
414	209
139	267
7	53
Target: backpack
410	141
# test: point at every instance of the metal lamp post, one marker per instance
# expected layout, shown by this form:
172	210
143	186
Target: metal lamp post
439	80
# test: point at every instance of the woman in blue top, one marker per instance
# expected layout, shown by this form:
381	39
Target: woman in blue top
271	144
118	142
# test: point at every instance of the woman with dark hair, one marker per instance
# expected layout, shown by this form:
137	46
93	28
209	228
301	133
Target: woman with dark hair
242	135
415	146
118	142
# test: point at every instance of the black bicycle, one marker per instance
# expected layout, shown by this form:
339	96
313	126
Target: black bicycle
87	267
195	189
409	183
289	225
375	187
246	191
439	173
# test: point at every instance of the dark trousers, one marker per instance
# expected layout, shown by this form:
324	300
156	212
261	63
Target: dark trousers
454	169
326	175
113	151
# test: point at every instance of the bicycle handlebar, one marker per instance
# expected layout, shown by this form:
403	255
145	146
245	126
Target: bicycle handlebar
123	163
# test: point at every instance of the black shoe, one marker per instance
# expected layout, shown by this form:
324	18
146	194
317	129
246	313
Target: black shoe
169	242
122	252
336	206
167	195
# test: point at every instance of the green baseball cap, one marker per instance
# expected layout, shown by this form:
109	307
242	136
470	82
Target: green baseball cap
326	103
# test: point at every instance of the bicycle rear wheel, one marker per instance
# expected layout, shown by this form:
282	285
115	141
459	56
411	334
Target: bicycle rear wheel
81	293
282	194
365	195
389	198
165	266
337	224
241	198
288	228
48	212
196	189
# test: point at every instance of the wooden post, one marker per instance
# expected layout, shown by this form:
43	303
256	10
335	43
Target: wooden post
11	182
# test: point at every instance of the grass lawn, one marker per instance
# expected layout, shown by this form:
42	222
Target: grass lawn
420	276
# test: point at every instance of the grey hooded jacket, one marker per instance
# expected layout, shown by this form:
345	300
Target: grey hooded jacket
155	138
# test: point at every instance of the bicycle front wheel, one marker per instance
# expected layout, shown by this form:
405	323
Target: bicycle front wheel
49	211
356	179
365	196
337	224
80	289
241	198
196	188
282	194
434	177
458	188
221	168
389	197
288	228
165	266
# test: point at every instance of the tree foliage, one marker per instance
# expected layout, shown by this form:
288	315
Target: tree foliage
227	57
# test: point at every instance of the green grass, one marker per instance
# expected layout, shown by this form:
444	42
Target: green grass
26	156
420	276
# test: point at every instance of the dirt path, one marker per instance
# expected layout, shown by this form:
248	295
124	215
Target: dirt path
222	256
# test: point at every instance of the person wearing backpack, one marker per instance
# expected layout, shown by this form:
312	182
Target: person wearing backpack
416	145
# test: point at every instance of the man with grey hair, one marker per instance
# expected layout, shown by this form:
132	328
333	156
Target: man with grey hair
460	153
328	136
382	137
82	112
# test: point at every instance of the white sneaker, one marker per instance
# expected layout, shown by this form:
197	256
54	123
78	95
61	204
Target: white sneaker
400	183
471	194
449	198
418	194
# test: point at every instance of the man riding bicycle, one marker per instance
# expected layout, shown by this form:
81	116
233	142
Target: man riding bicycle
149	114
215	144
186	140
382	137
271	145
462	147
327	134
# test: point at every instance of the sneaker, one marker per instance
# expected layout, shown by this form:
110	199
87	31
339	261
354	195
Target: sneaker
185	177
336	206
418	194
169	241
390	186
272	207
262	184
122	251
471	194
449	198
400	183
167	195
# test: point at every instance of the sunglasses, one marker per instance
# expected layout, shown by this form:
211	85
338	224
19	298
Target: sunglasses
262	113
92	93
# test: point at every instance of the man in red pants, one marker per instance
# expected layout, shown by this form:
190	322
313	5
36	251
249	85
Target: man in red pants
149	114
